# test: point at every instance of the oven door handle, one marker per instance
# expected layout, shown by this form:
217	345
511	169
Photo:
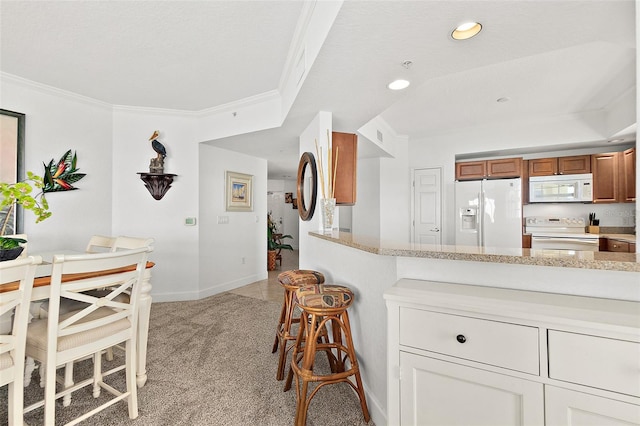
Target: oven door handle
571	240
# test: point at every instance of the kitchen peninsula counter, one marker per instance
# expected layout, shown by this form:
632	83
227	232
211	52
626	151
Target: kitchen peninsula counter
610	261
370	267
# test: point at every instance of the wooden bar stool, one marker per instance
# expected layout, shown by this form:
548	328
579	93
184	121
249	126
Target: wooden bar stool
290	281
323	306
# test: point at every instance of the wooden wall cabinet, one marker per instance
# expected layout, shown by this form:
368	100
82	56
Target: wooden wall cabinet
346	145
571	165
614	177
489	169
606	177
628	179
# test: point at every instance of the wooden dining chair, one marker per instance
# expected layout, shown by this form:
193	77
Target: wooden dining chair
12	345
103	323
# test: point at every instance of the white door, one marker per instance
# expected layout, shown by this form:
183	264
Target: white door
569	408
427	206
440	393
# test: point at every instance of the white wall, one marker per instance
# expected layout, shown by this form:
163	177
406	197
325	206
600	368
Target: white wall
223	247
316	130
137	213
366	212
395	194
55	122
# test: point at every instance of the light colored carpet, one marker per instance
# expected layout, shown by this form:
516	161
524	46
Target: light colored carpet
209	363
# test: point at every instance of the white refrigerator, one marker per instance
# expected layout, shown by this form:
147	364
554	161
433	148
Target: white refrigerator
489	213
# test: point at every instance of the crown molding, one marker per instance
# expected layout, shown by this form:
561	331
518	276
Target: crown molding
272	95
50	90
153	110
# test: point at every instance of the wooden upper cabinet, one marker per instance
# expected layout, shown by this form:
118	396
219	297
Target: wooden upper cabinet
606	177
346	145
491	169
471	170
628	176
573	165
504	168
543	166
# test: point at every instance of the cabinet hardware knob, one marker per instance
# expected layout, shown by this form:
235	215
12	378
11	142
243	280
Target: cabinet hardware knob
460	338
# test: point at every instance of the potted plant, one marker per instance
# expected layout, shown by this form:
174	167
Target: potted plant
20	193
274	243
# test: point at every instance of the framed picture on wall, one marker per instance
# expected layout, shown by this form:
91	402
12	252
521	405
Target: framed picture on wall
288	197
239	192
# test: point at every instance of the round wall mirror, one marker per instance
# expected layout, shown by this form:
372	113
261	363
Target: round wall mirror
307	186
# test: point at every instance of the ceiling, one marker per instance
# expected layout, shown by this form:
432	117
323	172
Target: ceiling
549	58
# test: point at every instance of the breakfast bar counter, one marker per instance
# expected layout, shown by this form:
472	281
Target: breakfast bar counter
612	261
370	267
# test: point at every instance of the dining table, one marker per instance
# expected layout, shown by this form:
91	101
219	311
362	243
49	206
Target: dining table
40	294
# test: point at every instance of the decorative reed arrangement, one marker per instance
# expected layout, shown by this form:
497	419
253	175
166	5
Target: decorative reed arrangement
328	191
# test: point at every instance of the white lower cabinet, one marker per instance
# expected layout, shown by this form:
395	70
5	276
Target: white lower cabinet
466	355
570	408
436	392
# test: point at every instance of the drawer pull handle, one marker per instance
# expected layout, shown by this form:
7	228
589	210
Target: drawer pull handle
460	338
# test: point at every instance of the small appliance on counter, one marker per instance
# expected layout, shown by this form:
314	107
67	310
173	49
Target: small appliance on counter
566	233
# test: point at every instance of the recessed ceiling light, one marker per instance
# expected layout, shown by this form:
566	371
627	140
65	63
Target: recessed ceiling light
466	30
503	99
398	85
615	140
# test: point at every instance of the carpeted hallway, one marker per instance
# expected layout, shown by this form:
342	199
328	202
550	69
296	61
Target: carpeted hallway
210	363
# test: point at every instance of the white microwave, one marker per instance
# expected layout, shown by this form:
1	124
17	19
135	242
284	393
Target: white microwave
561	189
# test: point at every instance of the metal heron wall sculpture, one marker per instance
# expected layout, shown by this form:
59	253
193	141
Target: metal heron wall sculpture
157	181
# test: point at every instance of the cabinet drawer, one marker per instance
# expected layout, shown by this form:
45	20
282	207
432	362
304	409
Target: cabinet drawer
599	362
505	345
615	245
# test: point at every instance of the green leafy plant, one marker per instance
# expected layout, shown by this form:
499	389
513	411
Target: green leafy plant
274	243
20	193
8	243
59	176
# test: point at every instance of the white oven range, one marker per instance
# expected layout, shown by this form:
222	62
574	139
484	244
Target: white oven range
555	233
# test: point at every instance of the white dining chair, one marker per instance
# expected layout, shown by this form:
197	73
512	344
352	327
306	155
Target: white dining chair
100	244
103	323
97	244
12	345
127	243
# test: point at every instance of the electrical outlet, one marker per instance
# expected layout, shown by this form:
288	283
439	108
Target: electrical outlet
223	220
243	260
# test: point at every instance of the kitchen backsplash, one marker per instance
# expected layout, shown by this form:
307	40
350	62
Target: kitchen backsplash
611	215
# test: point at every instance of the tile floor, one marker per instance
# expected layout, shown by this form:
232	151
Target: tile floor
269	289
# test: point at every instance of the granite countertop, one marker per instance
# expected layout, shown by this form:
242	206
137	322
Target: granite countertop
613	261
628	238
